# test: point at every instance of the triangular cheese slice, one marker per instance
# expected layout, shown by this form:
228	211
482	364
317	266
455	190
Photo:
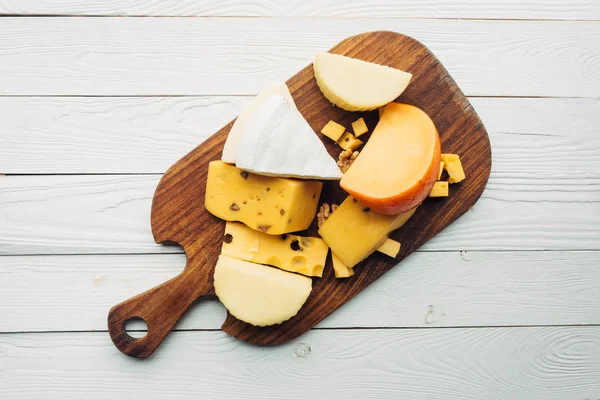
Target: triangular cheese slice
277	141
233	138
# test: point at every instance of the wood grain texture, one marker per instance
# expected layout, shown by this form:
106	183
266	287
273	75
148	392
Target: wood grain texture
178	213
532	137
429	289
512	9
200	56
430	364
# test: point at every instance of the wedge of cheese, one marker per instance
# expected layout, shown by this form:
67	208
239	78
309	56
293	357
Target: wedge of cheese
390	248
357	85
303	255
340	269
257	294
267	204
454	167
277	141
235	134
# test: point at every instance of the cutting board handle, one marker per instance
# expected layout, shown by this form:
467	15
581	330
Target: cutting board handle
160	308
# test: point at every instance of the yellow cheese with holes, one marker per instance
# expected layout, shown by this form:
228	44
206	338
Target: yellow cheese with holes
440	189
357	85
349	141
354	232
340	269
303	255
268	204
390	248
257	294
333	130
359	127
454	167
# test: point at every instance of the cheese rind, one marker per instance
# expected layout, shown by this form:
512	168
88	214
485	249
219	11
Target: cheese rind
303	255
333	130
236	131
257	294
268	204
353	231
454	167
349	141
390	248
357	85
277	141
340	269
439	189
359	127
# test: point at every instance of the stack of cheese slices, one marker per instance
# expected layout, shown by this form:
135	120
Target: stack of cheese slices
268	184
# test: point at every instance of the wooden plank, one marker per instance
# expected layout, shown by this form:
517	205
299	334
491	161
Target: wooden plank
447	289
111	214
531	137
496	363
236	56
511	9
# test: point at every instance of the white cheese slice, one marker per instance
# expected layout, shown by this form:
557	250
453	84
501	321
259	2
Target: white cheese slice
277	141
233	138
257	294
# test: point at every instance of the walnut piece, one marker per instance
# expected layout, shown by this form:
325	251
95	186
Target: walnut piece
346	158
324	213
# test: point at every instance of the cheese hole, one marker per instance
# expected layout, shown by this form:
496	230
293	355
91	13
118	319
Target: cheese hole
295	245
136	327
306	242
228	238
299	261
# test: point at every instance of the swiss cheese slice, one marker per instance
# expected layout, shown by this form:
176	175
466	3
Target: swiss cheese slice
257	294
277	141
357	85
233	138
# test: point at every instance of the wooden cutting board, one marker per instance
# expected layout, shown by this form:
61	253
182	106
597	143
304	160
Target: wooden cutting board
179	216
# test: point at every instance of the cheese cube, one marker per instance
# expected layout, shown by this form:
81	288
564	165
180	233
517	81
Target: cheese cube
303	255
440	189
390	248
348	141
333	130
359	127
441	170
340	269
354	232
454	167
268	204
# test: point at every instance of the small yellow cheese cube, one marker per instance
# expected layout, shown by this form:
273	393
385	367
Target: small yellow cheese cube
340	269
265	203
454	167
390	248
348	141
359	127
441	170
303	255
333	130
440	189
354	232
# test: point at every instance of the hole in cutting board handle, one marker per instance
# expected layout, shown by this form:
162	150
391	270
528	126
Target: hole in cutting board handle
136	328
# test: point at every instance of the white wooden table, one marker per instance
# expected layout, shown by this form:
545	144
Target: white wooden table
98	98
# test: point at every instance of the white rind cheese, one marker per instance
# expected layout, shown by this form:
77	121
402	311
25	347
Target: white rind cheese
277	141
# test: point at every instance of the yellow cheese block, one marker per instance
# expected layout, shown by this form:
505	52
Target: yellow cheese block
359	127
303	255
441	170
440	189
348	141
268	204
257	294
454	167
340	269
333	130
357	85
354	231
390	248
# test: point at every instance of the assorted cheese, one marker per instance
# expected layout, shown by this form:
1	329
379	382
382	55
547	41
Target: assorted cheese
357	85
303	255
454	167
257	294
333	130
349	141
354	231
439	189
359	127
398	166
268	204
277	141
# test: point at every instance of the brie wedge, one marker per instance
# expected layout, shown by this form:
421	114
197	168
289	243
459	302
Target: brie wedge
233	139
277	141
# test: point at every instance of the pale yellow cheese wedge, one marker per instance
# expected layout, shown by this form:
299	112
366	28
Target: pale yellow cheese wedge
357	85
440	189
303	255
257	294
454	167
390	248
340	269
